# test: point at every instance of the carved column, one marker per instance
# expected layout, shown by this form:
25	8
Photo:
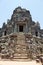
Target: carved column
15	29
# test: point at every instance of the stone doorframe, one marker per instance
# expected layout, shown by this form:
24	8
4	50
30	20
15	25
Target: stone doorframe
23	24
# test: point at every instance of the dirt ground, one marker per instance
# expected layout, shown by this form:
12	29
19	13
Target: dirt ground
19	63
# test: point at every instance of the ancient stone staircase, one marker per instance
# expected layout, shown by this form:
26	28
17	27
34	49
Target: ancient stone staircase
20	46
21	51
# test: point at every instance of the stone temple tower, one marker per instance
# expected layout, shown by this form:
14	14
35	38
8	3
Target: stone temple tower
21	21
21	37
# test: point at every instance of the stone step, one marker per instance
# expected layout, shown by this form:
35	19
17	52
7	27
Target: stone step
21	36
21	51
21	39
21	47
20	55
21	44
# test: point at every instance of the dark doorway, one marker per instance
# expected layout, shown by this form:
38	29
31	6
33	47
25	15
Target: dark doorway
20	28
36	33
5	32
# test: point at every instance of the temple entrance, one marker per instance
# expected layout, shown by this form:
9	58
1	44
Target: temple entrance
5	32
36	33
20	28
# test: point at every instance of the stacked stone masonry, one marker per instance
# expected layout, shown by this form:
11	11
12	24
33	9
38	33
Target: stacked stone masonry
20	46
